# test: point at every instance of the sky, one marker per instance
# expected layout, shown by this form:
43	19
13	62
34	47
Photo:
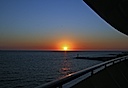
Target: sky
54	24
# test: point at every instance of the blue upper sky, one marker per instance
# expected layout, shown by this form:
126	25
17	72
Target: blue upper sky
42	24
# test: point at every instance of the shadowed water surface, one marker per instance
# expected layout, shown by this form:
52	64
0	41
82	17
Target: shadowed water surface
29	69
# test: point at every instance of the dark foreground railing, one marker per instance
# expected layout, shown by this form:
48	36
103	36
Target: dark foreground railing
62	81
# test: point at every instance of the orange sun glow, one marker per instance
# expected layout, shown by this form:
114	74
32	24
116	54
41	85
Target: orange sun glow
65	48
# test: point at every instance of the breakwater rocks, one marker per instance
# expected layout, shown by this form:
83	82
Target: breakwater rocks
103	58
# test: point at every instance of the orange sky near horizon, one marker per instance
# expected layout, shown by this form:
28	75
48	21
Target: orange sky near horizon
72	44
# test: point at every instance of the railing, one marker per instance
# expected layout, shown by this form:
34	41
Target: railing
60	82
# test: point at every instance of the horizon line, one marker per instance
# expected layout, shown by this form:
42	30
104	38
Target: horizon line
34	50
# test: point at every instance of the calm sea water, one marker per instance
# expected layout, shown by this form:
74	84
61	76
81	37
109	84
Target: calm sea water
30	69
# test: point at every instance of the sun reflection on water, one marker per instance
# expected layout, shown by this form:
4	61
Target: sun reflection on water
65	66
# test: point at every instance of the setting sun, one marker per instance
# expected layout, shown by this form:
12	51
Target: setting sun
65	48
65	45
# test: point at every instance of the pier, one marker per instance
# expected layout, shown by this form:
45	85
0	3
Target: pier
102	58
109	74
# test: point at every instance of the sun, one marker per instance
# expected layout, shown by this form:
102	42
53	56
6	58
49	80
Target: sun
65	48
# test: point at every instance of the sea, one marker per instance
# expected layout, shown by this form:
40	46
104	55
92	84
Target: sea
28	69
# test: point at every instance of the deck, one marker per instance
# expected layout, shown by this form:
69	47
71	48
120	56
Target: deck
115	76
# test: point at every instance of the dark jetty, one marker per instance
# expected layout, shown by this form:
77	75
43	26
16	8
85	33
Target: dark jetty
103	58
95	58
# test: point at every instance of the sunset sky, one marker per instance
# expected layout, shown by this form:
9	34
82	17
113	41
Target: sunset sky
54	24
